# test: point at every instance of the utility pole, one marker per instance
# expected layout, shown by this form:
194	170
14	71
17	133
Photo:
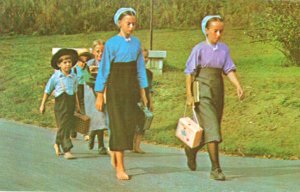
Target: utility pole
151	23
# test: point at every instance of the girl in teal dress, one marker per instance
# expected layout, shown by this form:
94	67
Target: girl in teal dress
122	74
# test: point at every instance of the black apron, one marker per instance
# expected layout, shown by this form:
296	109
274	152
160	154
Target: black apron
122	98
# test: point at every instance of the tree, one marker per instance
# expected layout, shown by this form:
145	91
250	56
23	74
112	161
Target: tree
280	25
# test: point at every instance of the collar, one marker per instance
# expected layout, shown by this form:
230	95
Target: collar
61	74
126	39
214	47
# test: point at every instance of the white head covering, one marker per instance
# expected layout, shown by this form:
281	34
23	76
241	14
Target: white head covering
204	21
120	12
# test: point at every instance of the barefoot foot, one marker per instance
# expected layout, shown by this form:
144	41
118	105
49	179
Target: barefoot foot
86	137
68	155
121	175
57	150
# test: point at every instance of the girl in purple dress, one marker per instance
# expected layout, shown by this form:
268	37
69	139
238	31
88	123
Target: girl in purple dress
206	63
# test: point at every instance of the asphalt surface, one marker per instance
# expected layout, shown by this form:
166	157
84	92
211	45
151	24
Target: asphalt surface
28	163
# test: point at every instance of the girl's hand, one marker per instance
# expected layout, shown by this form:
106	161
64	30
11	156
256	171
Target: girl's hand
240	93
42	109
99	102
232	77
190	100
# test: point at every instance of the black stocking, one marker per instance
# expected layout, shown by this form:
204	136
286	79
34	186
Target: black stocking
213	151
100	135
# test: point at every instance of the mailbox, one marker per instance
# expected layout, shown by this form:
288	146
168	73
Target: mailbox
155	63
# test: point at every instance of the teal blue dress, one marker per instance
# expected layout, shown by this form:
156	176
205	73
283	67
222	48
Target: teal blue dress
122	71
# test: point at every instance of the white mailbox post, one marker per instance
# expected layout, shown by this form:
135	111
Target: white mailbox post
155	63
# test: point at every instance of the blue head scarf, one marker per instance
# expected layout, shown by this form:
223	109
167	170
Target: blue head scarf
205	20
120	12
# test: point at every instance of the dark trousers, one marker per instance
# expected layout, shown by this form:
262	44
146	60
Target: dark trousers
64	114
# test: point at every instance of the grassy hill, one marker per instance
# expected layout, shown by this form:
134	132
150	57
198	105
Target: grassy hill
266	123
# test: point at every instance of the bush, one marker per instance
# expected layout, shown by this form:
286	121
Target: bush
280	25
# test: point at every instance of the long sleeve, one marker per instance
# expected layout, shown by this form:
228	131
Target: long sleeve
104	70
118	50
141	71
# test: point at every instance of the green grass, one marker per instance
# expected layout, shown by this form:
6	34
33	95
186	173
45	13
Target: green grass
266	123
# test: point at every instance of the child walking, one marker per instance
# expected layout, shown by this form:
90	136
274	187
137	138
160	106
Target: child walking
122	76
81	70
64	84
212	59
139	130
98	118
97	50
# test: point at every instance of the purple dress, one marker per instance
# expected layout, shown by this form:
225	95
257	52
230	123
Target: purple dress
207	63
205	56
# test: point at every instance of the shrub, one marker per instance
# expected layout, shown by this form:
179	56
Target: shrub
280	25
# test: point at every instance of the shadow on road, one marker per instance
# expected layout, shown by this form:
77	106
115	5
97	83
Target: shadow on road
155	170
152	154
88	155
239	172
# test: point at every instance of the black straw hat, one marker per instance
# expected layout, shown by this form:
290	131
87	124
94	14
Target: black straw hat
61	52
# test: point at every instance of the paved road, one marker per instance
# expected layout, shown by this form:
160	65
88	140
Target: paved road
28	163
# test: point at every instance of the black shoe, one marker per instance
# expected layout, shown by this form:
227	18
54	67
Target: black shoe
217	174
191	158
102	151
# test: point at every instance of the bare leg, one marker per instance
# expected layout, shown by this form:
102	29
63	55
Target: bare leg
120	170
57	149
113	159
137	143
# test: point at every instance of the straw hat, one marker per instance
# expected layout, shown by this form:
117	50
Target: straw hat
85	52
